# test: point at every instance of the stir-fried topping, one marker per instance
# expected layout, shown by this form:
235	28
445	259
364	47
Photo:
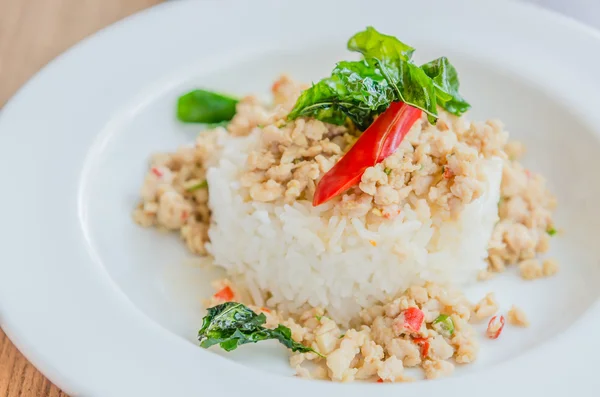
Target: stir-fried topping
495	327
232	324
443	324
360	90
384	84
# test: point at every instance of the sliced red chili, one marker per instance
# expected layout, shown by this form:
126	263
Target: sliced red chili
276	85
493	330
413	319
379	380
407	116
424	343
448	172
224	294
184	215
156	172
375	144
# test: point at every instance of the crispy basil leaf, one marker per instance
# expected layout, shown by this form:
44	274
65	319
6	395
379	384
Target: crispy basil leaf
373	44
412	85
445	79
362	90
320	102
357	90
232	324
201	106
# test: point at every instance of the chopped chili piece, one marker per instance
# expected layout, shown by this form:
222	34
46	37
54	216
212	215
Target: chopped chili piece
448	172
225	294
184	215
156	172
275	86
495	327
388	215
413	319
424	343
379	380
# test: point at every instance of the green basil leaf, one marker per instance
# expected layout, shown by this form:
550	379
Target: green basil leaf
445	79
232	324
357	90
363	89
412	85
373	44
284	335
363	86
201	106
320	102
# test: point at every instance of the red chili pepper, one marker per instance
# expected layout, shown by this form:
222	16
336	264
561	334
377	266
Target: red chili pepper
156	172
413	319
424	343
494	334
264	309
225	294
448	172
379	380
376	143
276	85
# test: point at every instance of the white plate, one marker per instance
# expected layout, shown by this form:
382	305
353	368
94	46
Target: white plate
105	308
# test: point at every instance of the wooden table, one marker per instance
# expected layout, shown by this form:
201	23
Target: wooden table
32	32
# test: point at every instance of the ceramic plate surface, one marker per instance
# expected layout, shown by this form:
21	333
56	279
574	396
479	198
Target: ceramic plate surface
105	308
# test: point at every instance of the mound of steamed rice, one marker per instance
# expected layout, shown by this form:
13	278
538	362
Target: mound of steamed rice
291	256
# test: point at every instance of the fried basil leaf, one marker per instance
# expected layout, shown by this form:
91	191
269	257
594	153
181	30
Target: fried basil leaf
232	324
411	85
357	90
361	90
373	44
445	79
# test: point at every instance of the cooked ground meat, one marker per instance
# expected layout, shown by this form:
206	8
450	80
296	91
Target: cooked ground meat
436	168
517	317
383	341
525	227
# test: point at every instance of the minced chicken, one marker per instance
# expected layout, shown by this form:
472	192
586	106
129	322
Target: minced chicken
440	165
385	340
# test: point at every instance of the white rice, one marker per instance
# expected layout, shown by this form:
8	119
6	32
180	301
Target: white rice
295	256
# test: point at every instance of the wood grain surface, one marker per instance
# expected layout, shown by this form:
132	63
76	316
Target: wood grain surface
32	32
